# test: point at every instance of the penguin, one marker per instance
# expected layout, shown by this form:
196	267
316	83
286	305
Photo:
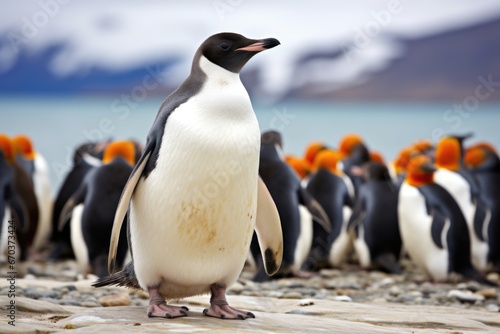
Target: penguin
374	220
38	169
92	208
484	163
12	207
354	153
296	208
195	196
452	175
334	192
26	190
433	228
86	157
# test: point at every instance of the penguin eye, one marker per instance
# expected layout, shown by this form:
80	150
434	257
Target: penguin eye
224	46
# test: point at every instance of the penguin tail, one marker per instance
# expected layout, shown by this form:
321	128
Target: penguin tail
388	263
125	277
473	274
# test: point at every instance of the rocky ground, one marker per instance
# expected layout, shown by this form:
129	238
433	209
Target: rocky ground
57	284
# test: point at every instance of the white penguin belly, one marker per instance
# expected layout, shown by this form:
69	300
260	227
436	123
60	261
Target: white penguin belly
342	246
304	241
415	228
192	219
459	189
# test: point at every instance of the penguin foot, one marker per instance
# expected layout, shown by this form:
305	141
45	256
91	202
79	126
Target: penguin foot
219	308
166	311
159	308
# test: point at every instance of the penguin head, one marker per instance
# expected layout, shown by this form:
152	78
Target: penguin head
300	166
423	146
448	153
372	171
327	159
232	51
6	148
120	149
271	137
482	156
312	150
348	143
420	171
23	146
376	157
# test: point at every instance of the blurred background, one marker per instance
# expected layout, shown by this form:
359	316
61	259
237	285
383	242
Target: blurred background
391	71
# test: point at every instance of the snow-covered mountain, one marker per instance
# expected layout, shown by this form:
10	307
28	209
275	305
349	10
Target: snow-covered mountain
63	46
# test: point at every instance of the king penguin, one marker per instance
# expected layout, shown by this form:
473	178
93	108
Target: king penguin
92	208
374	219
335	192
86	157
11	205
484	163
38	169
432	226
291	200
195	196
452	175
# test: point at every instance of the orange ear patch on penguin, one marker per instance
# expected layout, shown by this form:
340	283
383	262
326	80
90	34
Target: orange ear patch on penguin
474	157
448	154
7	148
348	142
377	157
312	150
327	159
120	149
420	171
300	166
22	145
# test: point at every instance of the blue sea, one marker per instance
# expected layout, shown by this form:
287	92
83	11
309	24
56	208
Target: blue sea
58	125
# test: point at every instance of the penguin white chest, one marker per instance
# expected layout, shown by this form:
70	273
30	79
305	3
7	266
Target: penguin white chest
415	228
193	217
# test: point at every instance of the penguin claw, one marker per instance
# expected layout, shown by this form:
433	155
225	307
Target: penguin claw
251	315
227	312
184	308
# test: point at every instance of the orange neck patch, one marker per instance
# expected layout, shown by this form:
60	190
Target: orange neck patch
119	149
474	157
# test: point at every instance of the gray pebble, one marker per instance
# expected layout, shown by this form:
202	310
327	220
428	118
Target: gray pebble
292	295
70	302
89	304
50	294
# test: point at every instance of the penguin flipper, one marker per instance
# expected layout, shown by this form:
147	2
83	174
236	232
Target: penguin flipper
482	217
268	229
316	210
437	228
123	205
67	210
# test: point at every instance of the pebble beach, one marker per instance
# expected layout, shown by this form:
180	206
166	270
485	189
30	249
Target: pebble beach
51	297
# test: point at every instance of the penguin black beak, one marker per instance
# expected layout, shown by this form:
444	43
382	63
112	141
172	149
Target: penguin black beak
428	168
261	45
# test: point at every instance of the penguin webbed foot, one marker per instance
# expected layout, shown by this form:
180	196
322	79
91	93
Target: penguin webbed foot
219	308
159	308
166	311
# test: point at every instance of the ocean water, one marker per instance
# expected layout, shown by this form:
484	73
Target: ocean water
58	125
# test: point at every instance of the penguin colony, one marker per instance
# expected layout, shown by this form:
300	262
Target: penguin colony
438	204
